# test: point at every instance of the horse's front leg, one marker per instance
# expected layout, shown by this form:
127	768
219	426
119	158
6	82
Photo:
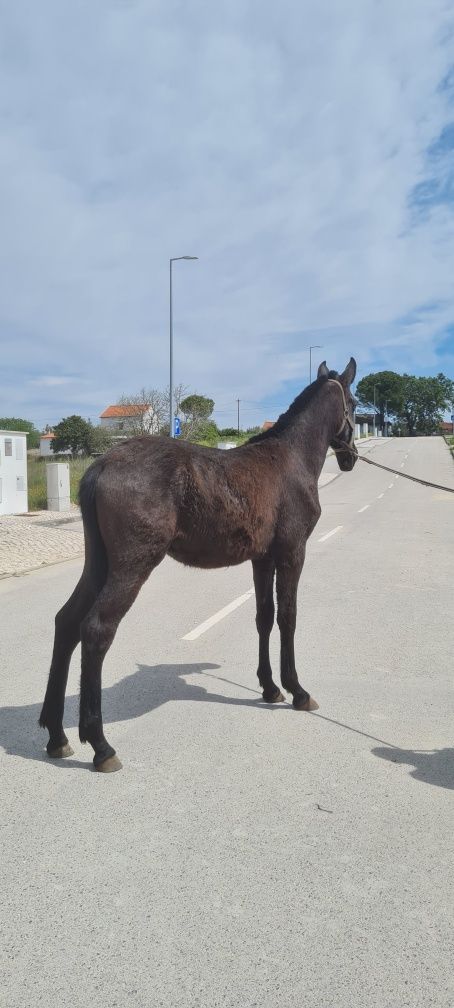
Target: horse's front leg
263	583
287	579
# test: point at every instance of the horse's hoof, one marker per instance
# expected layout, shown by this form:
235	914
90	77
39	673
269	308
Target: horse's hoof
61	751
109	765
307	704
276	698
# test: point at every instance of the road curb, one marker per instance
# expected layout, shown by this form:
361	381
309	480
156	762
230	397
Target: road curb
44	563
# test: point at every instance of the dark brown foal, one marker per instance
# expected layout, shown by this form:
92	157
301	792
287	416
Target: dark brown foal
153	496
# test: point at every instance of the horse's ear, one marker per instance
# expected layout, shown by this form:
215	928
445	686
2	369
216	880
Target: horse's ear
323	370
349	374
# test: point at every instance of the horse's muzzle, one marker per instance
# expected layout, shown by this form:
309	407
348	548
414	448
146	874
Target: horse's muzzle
346	457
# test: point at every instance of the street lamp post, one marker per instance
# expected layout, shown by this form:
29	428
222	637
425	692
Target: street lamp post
175	259
316	346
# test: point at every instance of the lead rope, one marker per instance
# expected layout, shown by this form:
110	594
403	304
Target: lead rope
379	465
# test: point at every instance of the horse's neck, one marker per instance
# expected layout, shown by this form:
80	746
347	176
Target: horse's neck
310	435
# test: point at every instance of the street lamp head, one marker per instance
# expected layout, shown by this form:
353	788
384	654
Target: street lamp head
189	257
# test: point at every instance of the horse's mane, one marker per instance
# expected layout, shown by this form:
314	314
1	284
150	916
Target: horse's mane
298	405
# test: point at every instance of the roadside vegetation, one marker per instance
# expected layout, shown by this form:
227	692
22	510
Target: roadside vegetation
16	424
414	405
37	487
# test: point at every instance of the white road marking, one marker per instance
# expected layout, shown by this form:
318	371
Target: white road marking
329	534
402	465
397	477
202	627
380	496
390	485
363	508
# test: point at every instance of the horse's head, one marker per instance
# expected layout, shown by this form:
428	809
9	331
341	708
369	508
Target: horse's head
342	441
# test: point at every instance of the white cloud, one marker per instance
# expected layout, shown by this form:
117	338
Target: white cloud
280	146
50	381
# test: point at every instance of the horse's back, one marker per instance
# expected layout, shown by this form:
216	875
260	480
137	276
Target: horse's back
204	507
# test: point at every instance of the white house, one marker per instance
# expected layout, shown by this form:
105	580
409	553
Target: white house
13	472
119	418
45	445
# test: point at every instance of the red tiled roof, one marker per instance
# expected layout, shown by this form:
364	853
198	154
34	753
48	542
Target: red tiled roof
47	437
267	424
123	411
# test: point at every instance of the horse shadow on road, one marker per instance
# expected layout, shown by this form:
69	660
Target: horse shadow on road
146	689
149	687
431	766
434	767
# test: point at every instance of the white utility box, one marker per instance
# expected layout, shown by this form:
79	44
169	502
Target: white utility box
226	445
13	472
57	475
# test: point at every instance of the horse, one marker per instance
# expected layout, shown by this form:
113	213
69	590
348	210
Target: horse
155	496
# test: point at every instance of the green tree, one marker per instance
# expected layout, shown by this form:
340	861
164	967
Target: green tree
99	440
72	433
15	424
197	410
389	393
229	432
424	402
416	403
208	433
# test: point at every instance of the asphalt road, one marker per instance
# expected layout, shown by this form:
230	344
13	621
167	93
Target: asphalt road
246	855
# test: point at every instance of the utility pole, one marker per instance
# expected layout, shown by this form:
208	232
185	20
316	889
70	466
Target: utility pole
238	403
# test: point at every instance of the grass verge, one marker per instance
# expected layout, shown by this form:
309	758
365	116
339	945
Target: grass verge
37	485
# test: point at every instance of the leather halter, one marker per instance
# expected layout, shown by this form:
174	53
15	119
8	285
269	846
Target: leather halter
345	417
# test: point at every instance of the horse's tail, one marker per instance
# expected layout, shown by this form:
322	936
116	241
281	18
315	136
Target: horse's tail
96	563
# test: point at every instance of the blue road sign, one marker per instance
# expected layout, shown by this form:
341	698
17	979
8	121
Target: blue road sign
177	428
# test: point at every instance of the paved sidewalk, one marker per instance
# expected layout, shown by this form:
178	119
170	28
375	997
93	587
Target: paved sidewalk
39	538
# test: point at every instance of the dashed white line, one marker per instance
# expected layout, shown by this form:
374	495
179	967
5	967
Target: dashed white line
363	508
397	477
402	465
329	534
199	630
390	485
380	496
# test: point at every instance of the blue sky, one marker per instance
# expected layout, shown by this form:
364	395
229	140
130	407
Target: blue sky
305	153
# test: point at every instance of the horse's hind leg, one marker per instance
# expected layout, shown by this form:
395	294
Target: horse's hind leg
286	590
67	636
97	633
263	583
